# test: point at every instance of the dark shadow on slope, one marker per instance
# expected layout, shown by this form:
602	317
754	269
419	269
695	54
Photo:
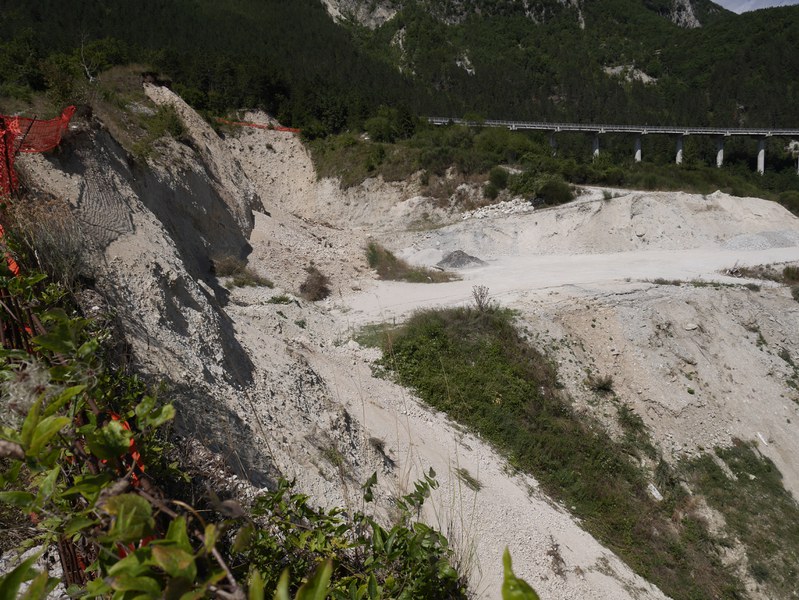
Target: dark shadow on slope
194	215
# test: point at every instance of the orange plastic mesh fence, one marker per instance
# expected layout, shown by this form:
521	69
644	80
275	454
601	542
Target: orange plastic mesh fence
23	134
258	125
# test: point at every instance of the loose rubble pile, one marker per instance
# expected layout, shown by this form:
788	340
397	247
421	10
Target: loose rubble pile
510	207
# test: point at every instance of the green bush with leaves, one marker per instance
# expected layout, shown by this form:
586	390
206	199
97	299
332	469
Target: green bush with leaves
410	560
549	189
498	177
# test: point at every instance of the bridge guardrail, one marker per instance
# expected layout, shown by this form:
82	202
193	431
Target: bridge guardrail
609	128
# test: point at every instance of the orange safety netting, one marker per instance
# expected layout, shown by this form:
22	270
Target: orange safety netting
258	125
23	134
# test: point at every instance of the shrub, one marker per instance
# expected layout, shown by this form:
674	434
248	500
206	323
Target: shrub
555	191
380	129
549	189
414	563
498	177
615	176
490	191
790	274
227	266
795	292
166	121
482	301
239	273
315	287
600	384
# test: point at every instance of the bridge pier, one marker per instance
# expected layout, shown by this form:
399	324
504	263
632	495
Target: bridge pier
678	160
638	148
719	151
761	155
595	146
553	144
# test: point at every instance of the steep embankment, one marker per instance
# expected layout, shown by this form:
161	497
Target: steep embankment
275	384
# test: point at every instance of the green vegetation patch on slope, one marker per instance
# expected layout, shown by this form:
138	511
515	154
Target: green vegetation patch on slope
475	365
757	509
409	560
475	152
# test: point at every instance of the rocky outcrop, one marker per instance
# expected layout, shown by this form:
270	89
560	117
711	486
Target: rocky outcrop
682	14
370	14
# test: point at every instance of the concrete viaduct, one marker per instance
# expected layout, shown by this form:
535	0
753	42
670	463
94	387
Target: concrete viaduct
638	130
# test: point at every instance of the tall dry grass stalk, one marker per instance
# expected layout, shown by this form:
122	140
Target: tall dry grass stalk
48	230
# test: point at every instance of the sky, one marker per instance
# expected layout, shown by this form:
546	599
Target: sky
740	6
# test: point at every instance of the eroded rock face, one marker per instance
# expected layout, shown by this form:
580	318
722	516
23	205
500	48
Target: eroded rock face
682	14
150	232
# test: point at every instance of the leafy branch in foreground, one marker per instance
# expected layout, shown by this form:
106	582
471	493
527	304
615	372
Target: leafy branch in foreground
409	560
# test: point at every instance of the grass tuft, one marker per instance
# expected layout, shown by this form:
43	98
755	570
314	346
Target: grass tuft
601	384
391	268
468	479
51	235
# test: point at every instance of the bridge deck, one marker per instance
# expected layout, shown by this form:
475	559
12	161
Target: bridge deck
639	129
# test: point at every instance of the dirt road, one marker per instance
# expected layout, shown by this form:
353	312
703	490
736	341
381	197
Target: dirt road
511	277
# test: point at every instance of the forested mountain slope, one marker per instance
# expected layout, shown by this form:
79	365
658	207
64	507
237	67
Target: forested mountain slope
615	60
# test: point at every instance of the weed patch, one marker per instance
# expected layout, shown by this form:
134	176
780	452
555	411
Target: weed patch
375	336
468	479
52	236
757	510
165	122
636	438
389	267
601	384
661	281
